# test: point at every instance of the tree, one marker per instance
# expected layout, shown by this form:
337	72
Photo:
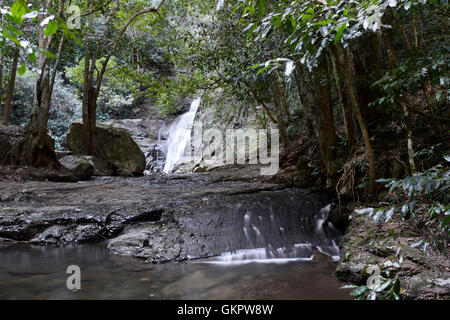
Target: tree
102	49
36	149
12	82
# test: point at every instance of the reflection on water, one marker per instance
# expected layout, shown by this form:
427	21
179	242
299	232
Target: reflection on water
40	273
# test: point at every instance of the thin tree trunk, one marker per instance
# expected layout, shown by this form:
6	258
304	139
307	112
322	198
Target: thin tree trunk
348	119
361	122
280	118
325	124
284	100
403	104
89	93
416	38
11	85
1	87
304	102
402	30
258	100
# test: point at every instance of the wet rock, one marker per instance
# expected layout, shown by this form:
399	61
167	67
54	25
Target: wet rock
156	243
80	168
160	218
321	258
71	234
115	144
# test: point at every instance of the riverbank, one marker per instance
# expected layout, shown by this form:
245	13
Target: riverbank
399	250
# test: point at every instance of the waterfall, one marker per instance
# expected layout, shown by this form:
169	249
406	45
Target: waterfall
278	233
179	136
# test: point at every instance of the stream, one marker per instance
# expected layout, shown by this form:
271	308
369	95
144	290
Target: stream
31	272
226	234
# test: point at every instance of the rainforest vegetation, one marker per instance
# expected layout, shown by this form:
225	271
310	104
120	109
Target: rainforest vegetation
358	89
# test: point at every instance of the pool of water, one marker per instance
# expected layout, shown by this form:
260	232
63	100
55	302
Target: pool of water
28	272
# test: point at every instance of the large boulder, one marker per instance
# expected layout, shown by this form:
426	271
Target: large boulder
116	145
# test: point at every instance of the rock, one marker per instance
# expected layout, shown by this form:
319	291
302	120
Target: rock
9	135
159	218
321	258
62	154
155	158
80	168
199	169
116	145
101	168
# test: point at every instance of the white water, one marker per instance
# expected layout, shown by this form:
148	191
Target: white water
260	250
179	136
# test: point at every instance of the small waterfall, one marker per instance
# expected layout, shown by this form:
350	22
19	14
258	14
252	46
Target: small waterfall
179	136
279	234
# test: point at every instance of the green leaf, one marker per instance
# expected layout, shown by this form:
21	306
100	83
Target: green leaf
359	291
22	69
339	33
18	9
52	27
351	286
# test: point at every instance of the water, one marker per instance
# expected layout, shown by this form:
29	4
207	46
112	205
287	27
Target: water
269	227
28	272
179	136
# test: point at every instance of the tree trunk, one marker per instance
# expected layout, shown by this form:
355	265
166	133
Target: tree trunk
348	118
37	149
402	30
404	106
11	85
90	93
284	99
1	87
299	82
325	125
359	117
280	119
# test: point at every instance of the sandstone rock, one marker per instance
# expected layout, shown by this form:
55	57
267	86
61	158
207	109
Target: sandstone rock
116	145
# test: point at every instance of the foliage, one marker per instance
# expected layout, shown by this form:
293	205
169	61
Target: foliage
386	289
414	75
65	109
426	193
312	26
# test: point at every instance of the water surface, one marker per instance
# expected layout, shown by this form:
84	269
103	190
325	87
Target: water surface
28	272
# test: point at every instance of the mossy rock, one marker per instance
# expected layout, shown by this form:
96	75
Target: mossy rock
81	169
116	146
